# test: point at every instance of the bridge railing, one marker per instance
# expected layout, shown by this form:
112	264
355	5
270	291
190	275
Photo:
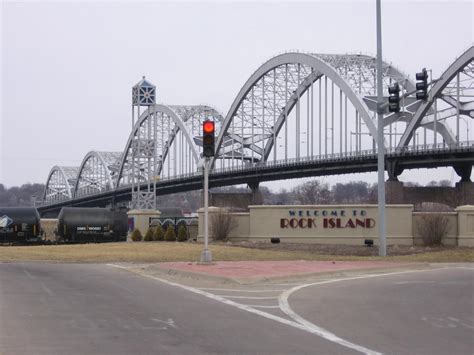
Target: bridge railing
334	157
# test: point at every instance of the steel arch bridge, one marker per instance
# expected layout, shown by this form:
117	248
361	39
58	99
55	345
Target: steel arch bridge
296	107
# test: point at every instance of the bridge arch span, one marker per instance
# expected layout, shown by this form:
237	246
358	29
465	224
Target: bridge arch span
97	173
464	62
276	87
60	183
172	131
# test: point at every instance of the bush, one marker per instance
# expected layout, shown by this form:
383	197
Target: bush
136	235
222	223
159	234
433	228
182	234
148	235
170	235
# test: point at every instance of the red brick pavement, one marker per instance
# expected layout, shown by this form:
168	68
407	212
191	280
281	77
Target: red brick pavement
269	269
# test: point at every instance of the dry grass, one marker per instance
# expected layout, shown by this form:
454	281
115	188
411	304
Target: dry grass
163	251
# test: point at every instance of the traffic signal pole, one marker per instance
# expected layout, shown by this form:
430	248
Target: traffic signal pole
208	151
206	255
380	141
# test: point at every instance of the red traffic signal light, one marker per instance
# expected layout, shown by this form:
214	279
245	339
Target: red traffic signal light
208	139
208	127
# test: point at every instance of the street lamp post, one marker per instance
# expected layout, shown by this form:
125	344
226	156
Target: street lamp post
380	140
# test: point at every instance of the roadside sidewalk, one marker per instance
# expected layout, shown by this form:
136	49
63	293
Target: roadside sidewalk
252	271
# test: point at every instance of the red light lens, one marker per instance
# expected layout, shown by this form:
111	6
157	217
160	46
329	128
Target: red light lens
208	127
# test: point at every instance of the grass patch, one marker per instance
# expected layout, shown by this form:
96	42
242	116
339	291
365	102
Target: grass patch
163	252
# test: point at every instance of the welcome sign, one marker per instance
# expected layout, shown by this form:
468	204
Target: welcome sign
327	219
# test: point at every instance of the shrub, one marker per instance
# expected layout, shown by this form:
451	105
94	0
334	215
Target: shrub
170	235
433	228
222	223
159	233
182	234
136	235
148	235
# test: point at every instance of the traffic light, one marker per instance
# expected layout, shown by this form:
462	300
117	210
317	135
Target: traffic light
208	138
394	98
422	85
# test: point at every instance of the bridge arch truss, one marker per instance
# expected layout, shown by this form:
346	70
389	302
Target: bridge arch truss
97	173
175	143
294	107
451	98
60	184
302	105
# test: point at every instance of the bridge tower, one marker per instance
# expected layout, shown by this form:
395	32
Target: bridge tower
144	154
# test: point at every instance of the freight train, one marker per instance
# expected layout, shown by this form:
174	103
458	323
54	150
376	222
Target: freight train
20	225
79	225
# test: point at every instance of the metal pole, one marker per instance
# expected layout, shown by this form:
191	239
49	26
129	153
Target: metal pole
286	112
340	121
332	117
325	115
345	124
380	143
312	119
274	116
435	138
206	256
319	107
457	110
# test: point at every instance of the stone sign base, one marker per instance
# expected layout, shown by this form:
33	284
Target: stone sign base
140	219
340	224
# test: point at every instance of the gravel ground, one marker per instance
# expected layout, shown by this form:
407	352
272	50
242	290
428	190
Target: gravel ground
326	249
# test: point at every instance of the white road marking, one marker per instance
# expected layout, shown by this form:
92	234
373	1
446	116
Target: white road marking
414	282
285	306
236	290
258	306
123	288
169	322
250	297
299	322
461	322
29	275
312	329
46	289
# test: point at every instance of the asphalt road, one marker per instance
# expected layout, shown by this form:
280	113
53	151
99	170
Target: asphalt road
99	309
430	312
96	309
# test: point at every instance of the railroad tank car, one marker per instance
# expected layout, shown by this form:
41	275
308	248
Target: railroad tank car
80	224
20	225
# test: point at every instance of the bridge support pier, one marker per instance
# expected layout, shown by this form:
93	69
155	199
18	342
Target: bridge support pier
393	169
461	194
464	172
394	192
257	198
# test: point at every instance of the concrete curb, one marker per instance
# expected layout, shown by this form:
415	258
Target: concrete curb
166	271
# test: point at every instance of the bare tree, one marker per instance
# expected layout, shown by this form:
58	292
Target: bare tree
433	228
222	223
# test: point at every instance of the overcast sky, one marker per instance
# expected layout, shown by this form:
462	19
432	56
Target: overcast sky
68	67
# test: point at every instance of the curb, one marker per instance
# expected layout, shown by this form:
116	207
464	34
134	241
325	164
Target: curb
269	279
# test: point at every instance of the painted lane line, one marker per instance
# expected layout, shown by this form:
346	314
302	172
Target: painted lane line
29	275
46	289
285	307
237	290
414	282
235	304
249	297
258	306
